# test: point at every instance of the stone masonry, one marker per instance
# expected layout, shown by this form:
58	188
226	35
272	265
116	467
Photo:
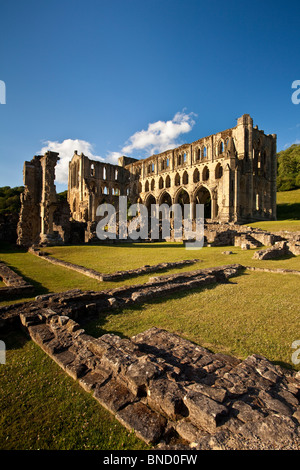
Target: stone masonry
170	391
15	284
233	173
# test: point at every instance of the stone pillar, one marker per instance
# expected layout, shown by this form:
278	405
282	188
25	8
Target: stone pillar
236	192
214	201
273	182
224	215
48	199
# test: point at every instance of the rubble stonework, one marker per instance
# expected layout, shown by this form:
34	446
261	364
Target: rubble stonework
116	276
278	250
37	221
15	284
168	390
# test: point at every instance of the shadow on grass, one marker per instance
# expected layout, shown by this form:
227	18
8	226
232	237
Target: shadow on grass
95	327
288	211
14	339
39	289
6	247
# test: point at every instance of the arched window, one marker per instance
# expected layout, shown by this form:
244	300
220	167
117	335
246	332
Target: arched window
196	176
198	154
105	190
168	182
116	175
104	173
152	185
185	178
205	174
218	171
147	186
92	169
177	180
184	157
161	183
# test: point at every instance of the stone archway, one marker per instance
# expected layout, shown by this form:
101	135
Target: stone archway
164	198
203	196
182	197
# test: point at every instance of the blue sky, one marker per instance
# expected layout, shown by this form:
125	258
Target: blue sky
108	76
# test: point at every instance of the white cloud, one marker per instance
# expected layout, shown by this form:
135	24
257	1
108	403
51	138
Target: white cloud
112	157
160	135
66	150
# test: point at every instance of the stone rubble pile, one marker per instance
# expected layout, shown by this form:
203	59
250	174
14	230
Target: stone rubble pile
279	249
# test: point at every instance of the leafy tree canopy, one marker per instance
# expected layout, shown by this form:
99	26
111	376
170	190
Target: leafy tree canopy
288	168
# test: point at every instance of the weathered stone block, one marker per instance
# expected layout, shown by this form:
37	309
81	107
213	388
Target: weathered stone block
204	412
147	424
113	395
40	334
167	398
189	432
138	375
215	393
93	379
245	412
64	359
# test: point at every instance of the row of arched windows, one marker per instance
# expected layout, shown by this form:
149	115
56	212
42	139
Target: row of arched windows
104	173
200	153
113	191
182	180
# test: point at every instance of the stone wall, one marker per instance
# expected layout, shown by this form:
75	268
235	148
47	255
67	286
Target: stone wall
278	250
171	392
116	276
15	284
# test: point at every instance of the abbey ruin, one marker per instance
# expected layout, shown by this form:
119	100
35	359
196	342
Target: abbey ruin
232	173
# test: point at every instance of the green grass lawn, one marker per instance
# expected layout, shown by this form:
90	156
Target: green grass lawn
41	407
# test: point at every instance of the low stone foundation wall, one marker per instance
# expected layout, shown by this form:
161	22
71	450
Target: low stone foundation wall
276	271
282	248
237	235
173	392
83	304
170	391
15	284
116	276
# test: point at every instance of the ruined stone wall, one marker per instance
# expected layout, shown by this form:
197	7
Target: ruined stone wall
15	284
92	183
232	172
38	202
171	392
